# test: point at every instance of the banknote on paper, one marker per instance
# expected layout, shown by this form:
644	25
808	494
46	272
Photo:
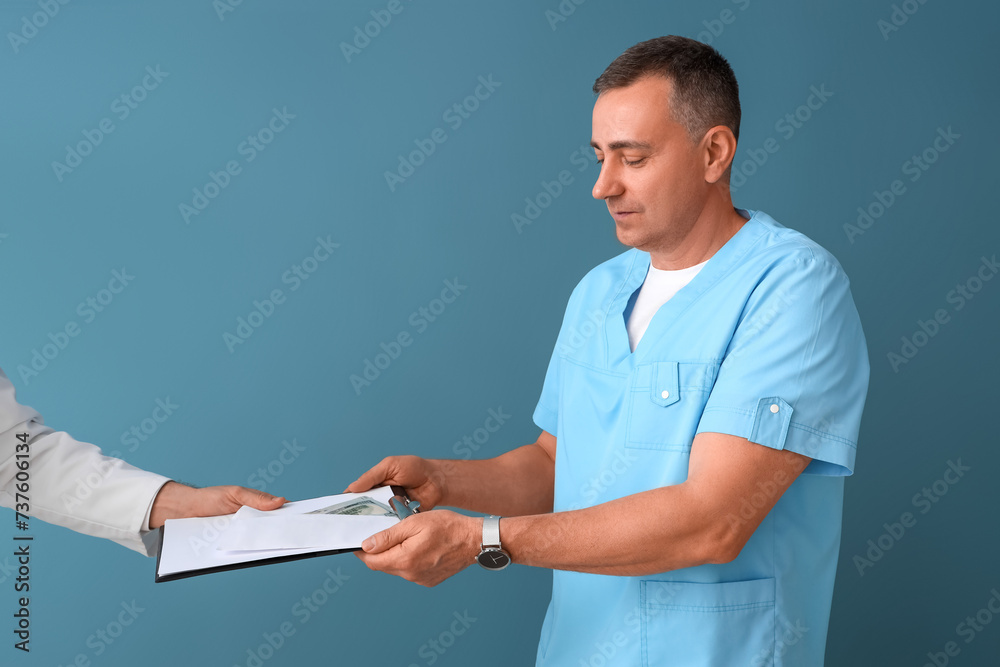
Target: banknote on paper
358	506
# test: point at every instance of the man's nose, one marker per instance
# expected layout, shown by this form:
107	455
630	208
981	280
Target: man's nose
608	184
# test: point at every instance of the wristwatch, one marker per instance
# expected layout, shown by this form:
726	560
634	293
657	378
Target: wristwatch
492	557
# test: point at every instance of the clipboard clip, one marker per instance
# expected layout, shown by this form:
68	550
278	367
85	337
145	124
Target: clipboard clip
401	505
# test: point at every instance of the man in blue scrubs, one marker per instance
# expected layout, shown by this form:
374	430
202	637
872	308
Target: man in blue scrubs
699	414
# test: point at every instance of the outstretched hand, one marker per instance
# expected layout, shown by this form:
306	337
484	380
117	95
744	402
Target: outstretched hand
177	501
418	476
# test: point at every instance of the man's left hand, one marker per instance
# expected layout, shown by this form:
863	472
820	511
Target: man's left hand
425	548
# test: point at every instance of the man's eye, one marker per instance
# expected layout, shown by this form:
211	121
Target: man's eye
632	163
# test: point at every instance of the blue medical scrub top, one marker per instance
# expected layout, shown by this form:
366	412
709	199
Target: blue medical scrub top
764	343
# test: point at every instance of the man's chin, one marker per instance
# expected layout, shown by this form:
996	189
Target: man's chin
628	237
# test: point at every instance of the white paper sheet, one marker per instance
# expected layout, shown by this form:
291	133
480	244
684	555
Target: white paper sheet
195	544
303	531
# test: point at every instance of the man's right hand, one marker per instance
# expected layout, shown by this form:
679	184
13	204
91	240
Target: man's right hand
421	478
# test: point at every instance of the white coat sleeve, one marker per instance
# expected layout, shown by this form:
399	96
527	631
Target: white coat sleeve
71	484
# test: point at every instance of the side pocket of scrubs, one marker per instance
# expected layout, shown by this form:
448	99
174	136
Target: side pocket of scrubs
665	402
728	624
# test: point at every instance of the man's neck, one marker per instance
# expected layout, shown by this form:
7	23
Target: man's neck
706	238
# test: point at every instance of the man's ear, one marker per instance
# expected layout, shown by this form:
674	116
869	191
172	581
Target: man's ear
719	149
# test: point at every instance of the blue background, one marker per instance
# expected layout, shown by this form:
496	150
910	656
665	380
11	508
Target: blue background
324	176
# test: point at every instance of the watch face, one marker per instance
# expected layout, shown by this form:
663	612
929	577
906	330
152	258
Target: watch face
493	559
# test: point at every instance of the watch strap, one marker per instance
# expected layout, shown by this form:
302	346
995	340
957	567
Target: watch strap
491	531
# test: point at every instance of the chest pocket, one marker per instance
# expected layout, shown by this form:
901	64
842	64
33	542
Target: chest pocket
665	402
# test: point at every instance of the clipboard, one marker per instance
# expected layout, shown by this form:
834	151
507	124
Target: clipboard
211	529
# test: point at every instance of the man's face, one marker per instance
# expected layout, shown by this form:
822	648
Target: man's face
652	173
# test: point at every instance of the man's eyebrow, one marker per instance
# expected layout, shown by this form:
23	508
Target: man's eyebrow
617	145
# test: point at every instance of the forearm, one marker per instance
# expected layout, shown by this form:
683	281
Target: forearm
517	483
72	484
646	533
